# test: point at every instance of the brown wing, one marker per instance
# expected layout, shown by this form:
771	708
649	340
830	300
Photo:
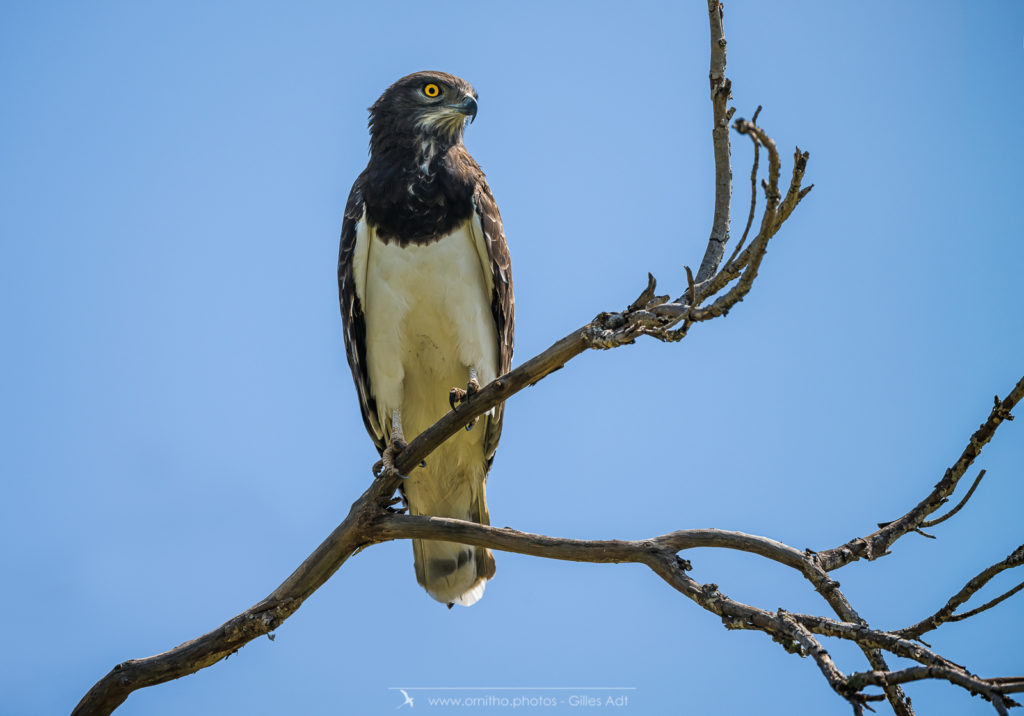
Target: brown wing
503	305
352	315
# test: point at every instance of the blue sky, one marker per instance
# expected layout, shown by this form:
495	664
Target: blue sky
179	426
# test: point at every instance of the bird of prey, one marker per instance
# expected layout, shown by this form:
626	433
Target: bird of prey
426	300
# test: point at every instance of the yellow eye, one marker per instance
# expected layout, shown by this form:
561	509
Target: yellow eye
431	90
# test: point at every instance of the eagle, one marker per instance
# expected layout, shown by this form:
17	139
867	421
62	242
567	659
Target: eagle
425	285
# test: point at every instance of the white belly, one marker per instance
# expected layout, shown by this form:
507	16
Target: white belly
428	322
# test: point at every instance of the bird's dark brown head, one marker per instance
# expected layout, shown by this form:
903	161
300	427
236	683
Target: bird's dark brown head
422	106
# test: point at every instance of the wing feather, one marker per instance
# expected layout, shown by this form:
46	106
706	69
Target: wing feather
352	314
502	299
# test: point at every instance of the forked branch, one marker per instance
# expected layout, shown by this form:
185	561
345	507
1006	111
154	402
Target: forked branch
711	294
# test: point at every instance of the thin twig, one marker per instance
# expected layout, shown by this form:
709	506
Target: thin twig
691	288
795	194
1015	559
917	673
753	192
987	605
939	520
877	543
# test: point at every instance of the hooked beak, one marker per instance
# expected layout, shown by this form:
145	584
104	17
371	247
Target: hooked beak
467	107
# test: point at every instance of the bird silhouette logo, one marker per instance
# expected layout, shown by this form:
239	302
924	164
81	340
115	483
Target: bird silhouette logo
408	700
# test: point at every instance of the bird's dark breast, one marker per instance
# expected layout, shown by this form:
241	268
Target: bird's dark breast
409	206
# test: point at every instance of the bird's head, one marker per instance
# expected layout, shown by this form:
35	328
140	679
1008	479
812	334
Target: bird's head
423	105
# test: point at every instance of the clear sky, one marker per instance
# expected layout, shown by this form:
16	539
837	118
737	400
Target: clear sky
180	428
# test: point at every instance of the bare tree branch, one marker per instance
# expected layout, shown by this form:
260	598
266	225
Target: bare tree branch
987	605
734	267
970	492
753	195
811	646
877	544
1008	685
368	523
945	614
974	685
660	552
721	89
714	291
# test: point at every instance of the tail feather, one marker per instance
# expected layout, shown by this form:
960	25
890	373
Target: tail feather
455	573
452	573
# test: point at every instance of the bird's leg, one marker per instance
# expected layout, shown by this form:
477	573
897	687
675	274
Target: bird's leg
457	396
396	443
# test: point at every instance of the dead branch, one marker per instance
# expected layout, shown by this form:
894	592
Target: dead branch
959	506
715	290
721	93
945	614
877	544
974	686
